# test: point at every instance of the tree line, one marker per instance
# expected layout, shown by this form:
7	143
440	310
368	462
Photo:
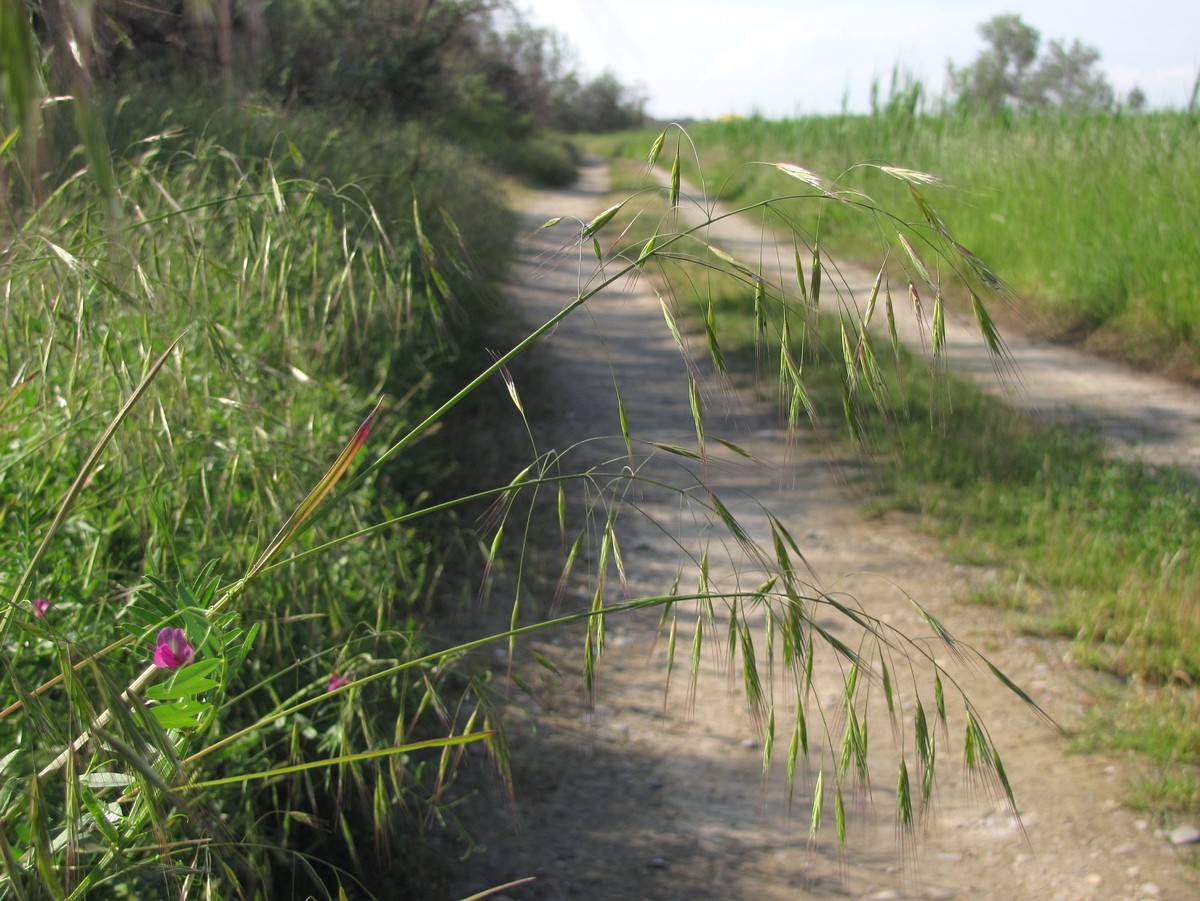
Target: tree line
412	58
1015	72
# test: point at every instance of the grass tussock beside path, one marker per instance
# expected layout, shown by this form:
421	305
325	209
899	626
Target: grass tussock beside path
1086	548
1088	217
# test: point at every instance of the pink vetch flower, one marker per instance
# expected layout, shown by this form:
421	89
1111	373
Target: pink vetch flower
41	607
171	650
336	681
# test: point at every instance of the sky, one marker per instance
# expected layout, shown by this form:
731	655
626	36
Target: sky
781	58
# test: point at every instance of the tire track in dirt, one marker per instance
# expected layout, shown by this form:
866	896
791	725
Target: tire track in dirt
640	798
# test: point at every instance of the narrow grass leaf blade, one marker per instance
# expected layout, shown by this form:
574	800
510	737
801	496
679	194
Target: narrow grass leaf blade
814	292
318	494
448	742
939	326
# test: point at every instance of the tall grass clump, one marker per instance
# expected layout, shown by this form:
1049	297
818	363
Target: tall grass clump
1085	214
178	381
383	165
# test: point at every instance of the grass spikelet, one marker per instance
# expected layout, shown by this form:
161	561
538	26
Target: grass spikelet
672	638
647	249
805	175
873	297
694	661
904	805
886	679
732	263
916	260
794	750
848	359
939	694
850	688
675	181
760	321
1003	363
939	326
697	405
912	176
818	801
656	149
893	336
623	416
799	264
930	214
839	812
672	327
602	220
768	741
710	333
1020	693
750	677
565	576
926	750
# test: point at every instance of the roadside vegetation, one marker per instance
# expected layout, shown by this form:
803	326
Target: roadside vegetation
226	258
1082	208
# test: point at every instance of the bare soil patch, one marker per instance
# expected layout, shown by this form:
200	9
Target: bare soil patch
650	794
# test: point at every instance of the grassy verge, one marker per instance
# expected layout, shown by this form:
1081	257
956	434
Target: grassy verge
296	300
1090	549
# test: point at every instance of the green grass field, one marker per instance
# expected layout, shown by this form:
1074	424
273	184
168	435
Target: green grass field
1089	218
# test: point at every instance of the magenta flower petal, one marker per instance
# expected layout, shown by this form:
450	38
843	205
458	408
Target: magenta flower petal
40	608
336	681
171	650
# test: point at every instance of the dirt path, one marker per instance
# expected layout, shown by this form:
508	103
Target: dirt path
643	799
